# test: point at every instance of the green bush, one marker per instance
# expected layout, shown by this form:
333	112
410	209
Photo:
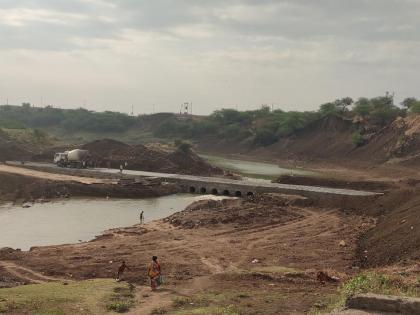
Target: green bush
119	307
358	139
265	137
183	146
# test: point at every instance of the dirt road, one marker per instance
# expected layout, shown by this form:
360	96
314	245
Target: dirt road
50	176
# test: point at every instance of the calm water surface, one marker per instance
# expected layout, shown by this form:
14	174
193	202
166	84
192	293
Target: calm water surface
74	220
252	169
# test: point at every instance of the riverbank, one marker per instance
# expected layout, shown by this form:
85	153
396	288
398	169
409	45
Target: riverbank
264	255
255	245
20	185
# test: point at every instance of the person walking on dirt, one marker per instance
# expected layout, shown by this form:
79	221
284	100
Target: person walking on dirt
121	270
154	273
141	216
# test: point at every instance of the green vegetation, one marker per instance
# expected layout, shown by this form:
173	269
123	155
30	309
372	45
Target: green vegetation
183	146
210	303
261	127
358	139
84	297
371	282
19	117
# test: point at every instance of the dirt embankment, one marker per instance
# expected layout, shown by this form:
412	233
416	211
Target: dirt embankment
396	236
329	140
21	188
258	211
266	248
153	158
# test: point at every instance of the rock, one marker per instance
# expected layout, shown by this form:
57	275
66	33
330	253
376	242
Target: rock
342	243
323	277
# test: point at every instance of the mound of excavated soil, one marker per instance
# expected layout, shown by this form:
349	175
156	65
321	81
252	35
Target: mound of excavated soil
396	237
262	210
112	153
15	187
10	150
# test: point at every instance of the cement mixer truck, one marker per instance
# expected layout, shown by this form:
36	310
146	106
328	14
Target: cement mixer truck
74	158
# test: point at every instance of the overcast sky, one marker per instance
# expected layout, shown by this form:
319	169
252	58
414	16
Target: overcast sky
295	54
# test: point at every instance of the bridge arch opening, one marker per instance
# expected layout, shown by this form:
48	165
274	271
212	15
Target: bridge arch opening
226	192
192	189
203	190
214	191
238	194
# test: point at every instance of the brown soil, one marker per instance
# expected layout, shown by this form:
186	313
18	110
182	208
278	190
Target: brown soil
329	140
218	253
112	153
21	184
396	236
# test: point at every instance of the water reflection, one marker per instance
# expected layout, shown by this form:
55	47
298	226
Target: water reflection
73	220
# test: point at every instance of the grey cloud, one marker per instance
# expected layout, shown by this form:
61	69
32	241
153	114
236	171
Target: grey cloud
367	20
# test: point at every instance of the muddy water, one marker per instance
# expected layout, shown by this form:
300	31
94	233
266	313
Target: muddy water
74	220
253	169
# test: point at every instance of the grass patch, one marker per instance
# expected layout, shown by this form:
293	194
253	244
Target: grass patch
213	310
370	282
229	302
83	297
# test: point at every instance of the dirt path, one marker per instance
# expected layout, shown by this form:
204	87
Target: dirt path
27	274
148	300
259	238
49	176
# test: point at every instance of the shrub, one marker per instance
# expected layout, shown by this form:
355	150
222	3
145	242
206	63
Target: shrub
358	139
183	146
119	307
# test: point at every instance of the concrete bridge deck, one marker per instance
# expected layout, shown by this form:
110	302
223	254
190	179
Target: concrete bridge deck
215	185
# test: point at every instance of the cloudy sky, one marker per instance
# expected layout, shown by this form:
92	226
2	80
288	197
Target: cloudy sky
295	54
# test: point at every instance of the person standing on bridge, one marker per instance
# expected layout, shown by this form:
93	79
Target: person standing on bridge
154	273
141	216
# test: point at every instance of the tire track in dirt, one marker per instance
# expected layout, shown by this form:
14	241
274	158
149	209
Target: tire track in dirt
27	274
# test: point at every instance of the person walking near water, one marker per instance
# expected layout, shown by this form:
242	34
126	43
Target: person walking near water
154	273
121	270
141	216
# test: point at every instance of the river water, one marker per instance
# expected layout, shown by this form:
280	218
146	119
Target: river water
252	169
74	220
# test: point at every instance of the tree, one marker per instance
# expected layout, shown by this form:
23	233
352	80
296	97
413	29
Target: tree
343	103
362	107
408	102
328	109
415	107
265	137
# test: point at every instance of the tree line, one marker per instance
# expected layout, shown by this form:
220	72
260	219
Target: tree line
262	127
